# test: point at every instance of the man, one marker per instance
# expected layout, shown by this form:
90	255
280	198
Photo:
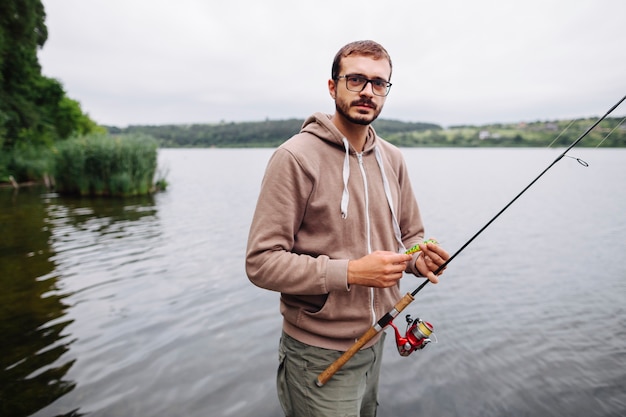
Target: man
335	214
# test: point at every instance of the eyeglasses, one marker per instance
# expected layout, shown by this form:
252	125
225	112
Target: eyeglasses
357	83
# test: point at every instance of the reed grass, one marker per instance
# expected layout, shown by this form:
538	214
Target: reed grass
104	165
26	163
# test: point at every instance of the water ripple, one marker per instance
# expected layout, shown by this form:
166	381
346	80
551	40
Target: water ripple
158	318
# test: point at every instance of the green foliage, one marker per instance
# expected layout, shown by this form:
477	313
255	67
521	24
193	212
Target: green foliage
386	127
106	165
22	31
71	121
610	133
4	167
229	135
33	108
269	133
28	163
273	133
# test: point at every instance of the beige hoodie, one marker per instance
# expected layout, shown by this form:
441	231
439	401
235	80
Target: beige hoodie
320	205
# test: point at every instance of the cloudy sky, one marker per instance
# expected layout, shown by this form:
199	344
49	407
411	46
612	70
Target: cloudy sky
455	61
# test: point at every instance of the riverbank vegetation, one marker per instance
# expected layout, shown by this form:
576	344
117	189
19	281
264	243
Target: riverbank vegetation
45	135
35	111
611	133
100	165
271	133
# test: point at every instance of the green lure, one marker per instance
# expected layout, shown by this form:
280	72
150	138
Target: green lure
416	248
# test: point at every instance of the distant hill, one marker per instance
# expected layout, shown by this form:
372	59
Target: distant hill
268	133
271	133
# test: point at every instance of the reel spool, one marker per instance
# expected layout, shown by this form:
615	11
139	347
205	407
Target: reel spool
416	337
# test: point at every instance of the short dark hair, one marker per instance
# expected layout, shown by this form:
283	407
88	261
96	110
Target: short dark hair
362	48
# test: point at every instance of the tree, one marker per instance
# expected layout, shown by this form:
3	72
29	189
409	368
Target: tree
34	109
22	31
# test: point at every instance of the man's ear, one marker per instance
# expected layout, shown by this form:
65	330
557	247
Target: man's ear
332	88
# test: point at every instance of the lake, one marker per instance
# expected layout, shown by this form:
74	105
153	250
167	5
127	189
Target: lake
141	306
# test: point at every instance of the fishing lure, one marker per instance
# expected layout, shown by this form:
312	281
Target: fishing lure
416	248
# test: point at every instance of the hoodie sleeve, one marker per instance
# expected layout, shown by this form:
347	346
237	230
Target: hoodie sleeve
270	260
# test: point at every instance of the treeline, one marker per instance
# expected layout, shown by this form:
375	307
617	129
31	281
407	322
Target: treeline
610	133
268	133
35	112
271	133
44	134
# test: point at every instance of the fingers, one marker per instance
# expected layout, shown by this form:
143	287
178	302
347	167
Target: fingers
394	264
434	248
433	257
435	254
431	268
398	258
432	278
378	269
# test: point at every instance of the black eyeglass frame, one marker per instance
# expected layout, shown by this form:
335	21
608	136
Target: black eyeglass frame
387	84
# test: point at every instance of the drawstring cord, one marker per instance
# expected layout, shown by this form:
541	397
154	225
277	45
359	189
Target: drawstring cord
396	225
345	197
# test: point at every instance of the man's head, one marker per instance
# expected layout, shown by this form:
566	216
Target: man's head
370	49
360	81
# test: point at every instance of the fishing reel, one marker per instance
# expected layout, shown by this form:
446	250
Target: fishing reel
417	336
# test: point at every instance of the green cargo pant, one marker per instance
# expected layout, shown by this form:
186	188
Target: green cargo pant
351	392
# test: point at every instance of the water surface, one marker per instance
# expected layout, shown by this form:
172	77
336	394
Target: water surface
141	306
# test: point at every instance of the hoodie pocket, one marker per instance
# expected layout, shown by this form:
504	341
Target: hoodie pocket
344	315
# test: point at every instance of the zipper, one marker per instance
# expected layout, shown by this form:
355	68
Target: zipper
359	156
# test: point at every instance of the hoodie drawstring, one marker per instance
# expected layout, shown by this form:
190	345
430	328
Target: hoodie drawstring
345	197
396	225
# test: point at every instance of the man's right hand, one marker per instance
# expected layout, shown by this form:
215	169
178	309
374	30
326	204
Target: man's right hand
379	269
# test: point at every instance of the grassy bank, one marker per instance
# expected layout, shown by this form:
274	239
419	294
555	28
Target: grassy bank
103	165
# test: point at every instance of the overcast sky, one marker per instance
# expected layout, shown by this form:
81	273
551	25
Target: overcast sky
455	61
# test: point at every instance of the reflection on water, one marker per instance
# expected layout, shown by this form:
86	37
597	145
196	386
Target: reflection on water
32	313
36	228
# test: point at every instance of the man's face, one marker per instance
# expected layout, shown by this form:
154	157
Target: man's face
360	107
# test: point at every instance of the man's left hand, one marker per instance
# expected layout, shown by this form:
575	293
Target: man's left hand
432	256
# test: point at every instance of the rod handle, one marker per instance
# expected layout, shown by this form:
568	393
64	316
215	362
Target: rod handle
341	361
332	369
404	301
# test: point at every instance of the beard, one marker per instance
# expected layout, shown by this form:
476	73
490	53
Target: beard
343	108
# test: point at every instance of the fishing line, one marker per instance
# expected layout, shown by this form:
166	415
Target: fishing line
562	132
580	161
612	130
442	267
409	297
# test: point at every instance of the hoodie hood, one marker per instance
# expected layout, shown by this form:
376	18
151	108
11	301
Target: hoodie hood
321	125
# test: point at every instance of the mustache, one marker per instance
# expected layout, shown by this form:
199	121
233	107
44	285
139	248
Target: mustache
364	102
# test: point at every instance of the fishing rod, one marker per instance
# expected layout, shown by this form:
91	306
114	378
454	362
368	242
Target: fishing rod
418	332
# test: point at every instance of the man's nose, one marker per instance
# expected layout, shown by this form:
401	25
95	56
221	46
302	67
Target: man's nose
368	89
